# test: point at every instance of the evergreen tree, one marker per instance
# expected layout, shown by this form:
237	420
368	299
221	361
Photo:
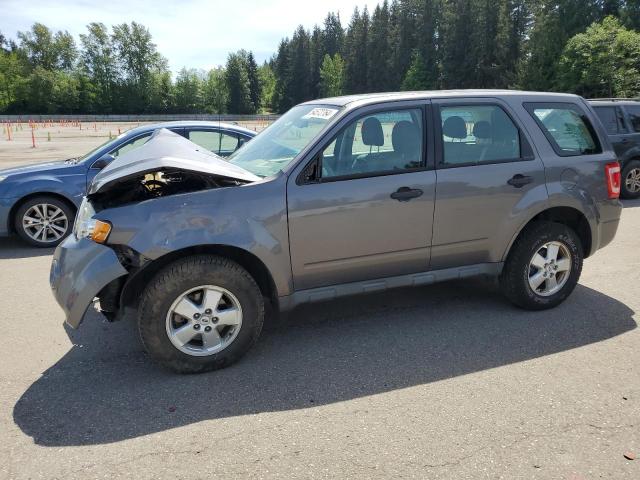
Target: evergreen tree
237	80
333	34
316	56
356	53
459	63
300	67
255	87
379	51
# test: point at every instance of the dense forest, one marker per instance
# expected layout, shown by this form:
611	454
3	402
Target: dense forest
590	47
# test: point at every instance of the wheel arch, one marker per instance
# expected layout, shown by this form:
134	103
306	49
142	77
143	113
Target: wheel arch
133	287
569	216
12	213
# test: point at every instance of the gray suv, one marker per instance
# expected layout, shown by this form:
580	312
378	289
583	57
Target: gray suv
341	196
621	120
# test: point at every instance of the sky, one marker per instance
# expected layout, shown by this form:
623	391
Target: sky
191	33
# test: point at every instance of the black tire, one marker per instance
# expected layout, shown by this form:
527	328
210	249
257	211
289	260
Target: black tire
49	240
624	191
514	280
185	274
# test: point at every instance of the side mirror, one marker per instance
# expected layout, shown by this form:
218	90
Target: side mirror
102	162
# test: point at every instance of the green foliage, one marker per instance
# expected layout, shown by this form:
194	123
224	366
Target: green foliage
588	47
332	76
268	83
416	77
602	62
238	85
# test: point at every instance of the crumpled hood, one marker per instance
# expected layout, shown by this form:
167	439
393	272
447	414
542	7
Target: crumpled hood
167	150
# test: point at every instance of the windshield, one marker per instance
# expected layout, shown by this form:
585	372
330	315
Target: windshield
279	144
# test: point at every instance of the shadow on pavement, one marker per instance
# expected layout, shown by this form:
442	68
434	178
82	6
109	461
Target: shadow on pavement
631	203
13	247
105	389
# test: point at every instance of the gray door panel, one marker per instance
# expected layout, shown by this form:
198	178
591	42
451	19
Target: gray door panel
477	211
352	230
487	181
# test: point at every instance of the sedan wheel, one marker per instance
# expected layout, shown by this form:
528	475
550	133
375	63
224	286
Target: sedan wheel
45	223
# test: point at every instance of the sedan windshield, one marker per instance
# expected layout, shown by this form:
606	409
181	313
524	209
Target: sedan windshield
279	144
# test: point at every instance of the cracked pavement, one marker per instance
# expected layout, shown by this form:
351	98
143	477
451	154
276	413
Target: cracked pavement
447	381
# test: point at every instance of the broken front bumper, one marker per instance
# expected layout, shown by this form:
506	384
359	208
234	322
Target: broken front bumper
80	269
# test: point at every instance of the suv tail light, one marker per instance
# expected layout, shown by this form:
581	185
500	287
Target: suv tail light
614	179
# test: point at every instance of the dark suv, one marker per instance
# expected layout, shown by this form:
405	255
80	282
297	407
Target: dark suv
341	196
621	119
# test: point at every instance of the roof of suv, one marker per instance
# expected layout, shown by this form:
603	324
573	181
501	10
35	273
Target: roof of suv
614	101
366	98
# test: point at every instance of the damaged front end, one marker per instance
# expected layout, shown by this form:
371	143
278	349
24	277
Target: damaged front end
90	268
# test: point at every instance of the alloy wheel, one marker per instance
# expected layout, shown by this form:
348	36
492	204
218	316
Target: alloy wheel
632	180
45	223
204	320
549	269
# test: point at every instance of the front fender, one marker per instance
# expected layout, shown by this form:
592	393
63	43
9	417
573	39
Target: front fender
70	187
252	217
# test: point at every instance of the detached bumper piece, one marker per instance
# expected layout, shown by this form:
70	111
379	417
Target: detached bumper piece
79	271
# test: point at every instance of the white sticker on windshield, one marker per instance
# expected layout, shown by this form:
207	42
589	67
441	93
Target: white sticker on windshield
322	113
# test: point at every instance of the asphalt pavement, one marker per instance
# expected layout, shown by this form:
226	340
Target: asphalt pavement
448	381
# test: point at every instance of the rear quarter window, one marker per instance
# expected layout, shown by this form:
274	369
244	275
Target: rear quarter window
567	128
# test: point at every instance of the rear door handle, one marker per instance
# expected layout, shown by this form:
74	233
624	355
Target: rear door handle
519	180
404	194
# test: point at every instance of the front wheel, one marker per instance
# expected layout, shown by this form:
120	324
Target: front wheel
200	313
543	267
44	221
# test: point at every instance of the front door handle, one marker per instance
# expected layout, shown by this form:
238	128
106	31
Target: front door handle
404	194
519	180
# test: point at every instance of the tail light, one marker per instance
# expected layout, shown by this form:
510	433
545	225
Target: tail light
614	179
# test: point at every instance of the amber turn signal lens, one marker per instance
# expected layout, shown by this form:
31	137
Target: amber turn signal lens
101	231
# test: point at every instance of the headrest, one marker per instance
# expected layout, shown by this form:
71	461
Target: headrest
455	127
482	129
372	132
406	139
503	128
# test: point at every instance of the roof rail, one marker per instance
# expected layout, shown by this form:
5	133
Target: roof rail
637	99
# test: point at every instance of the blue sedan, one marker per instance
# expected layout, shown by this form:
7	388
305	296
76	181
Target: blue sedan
39	202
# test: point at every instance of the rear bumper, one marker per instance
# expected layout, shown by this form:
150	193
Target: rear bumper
607	232
610	212
80	269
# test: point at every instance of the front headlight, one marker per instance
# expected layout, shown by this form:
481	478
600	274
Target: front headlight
88	227
3	177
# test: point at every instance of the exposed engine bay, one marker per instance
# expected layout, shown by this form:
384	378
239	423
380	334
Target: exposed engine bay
161	183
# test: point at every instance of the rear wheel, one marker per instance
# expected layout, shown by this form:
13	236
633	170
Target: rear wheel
200	313
631	180
44	221
543	267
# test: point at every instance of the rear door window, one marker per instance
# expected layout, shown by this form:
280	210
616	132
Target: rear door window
476	134
610	118
567	128
634	117
220	143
